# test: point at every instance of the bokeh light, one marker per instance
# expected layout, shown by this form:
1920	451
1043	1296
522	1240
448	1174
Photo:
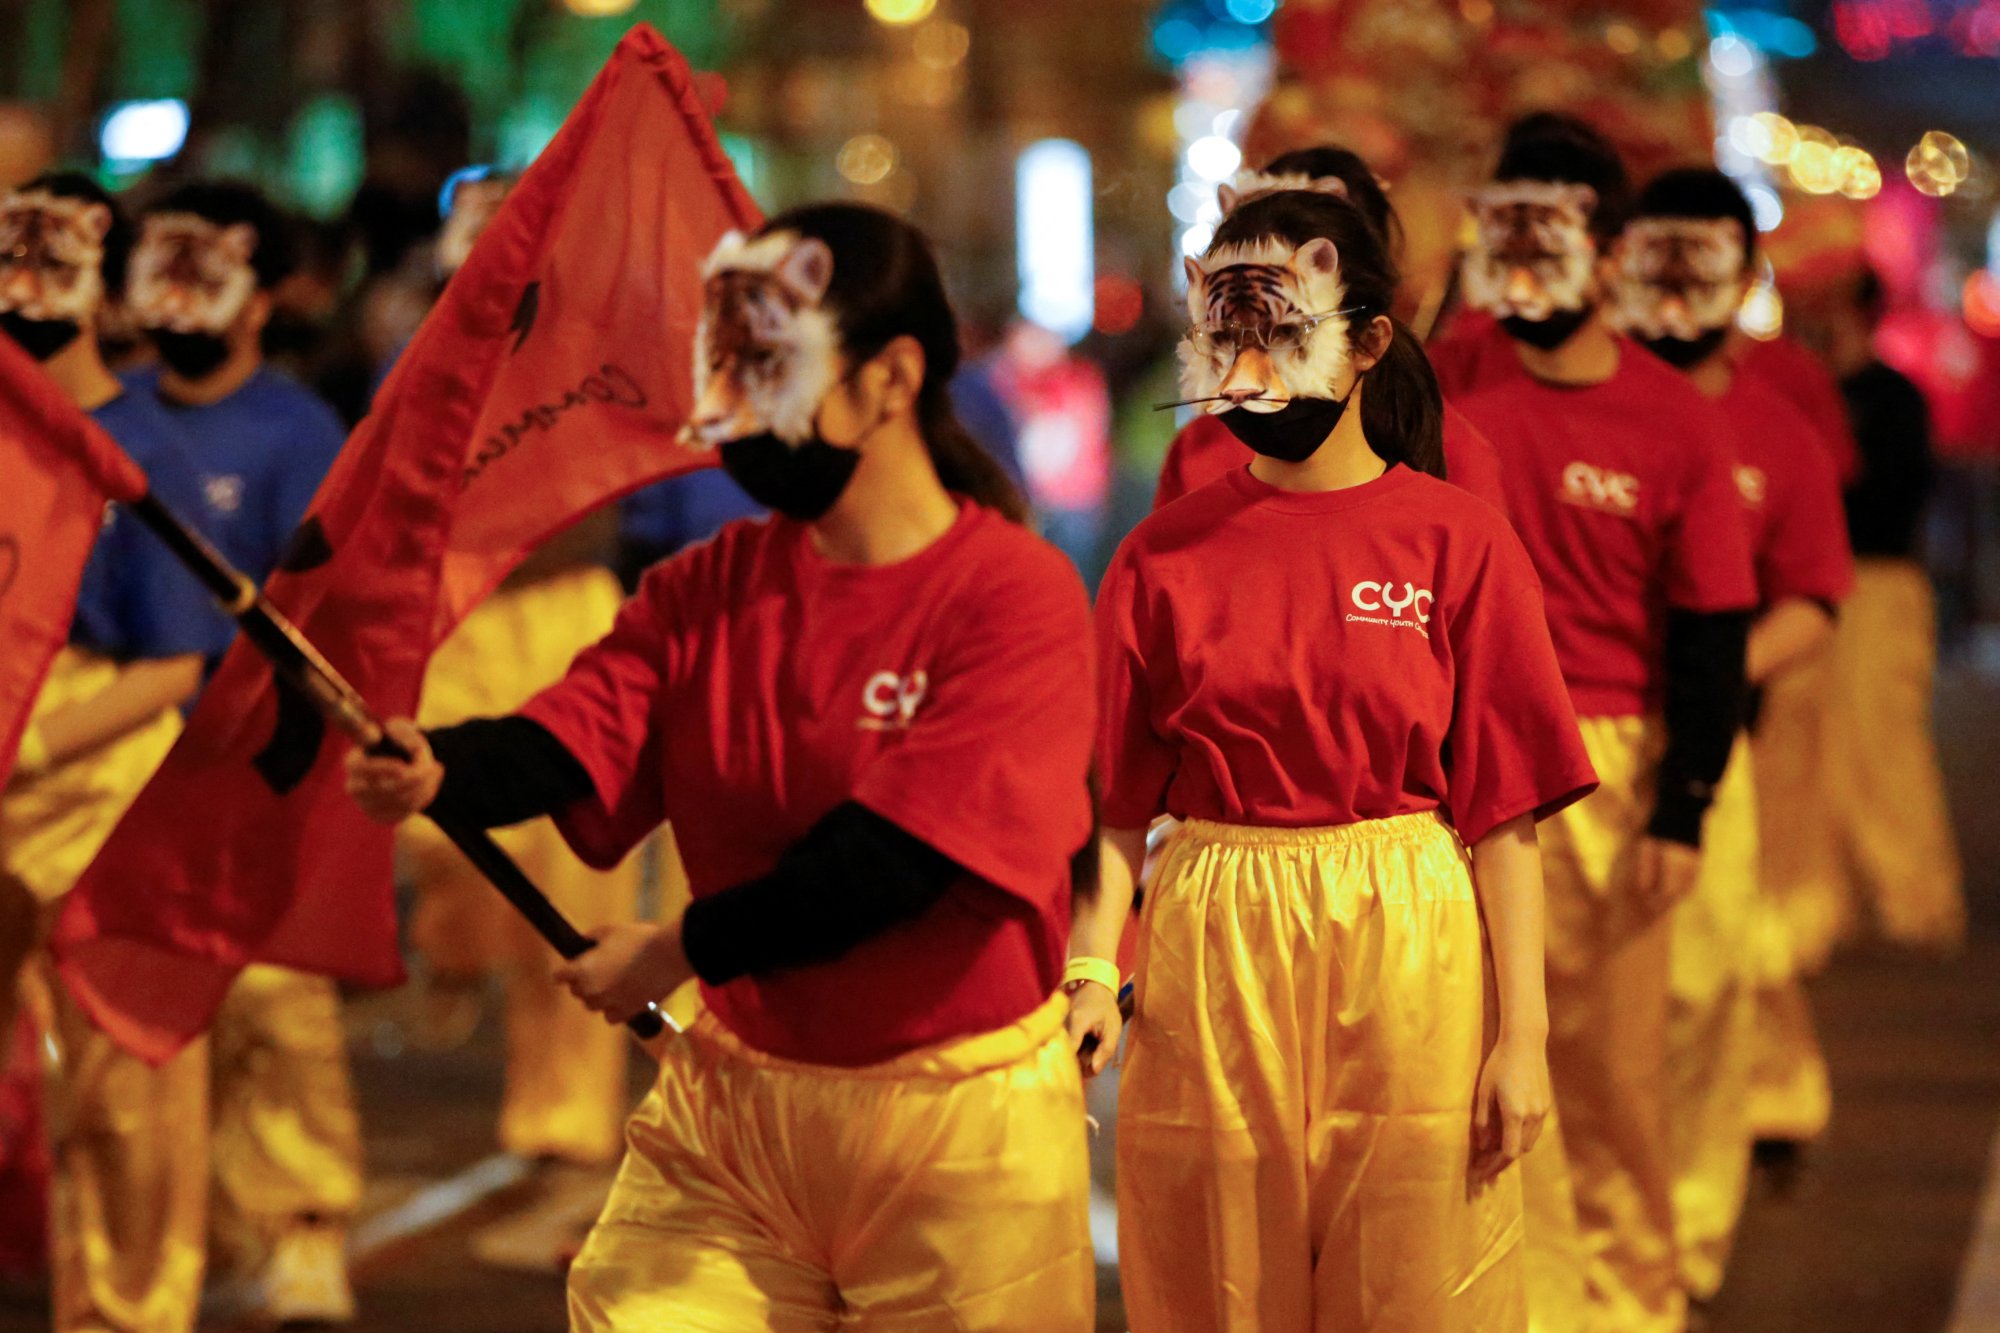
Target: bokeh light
1120	302
1980	303
900	12
1214	158
1938	165
866	159
600	9
1762	314
943	44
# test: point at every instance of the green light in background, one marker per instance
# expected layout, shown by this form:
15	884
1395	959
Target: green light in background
744	153
325	156
156	41
525	130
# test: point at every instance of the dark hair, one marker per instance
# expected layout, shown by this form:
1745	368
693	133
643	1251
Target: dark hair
1700	192
1402	413
117	241
1550	146
886	286
1870	297
226	203
1363	190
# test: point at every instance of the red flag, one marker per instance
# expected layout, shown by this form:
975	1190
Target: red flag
553	375
60	469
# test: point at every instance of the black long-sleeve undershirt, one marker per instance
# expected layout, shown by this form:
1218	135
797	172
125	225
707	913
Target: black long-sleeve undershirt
851	877
1706	697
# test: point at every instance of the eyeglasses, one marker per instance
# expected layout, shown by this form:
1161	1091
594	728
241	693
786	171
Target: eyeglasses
1285	335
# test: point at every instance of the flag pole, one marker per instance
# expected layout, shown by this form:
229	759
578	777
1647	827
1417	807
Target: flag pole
294	659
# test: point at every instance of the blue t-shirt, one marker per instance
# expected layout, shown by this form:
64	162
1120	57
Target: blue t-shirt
137	600
261	453
683	510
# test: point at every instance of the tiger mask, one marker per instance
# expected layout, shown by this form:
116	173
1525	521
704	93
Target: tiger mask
766	350
1532	253
1678	277
1268	326
52	256
190	275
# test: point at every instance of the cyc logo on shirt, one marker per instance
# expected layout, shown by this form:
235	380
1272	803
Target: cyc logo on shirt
1752	485
1600	488
1408	606
224	494
889	702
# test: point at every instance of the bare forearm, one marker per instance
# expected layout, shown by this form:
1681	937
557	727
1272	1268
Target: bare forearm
1507	876
1784	636
1100	922
140	692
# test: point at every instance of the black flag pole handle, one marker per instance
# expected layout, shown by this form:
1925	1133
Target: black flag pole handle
299	664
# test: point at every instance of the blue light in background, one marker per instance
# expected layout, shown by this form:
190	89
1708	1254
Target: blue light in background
150	131
1775	34
1055	246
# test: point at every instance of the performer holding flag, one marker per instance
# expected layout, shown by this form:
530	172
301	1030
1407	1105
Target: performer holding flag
869	720
129	1201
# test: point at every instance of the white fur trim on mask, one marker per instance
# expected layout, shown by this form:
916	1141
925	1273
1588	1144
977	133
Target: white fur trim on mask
146	287
812	349
1248	185
1310	372
80	302
1547	194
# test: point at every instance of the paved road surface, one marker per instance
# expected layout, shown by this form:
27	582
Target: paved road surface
1871	1237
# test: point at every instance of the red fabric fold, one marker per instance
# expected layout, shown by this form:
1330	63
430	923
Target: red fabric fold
552	377
60	470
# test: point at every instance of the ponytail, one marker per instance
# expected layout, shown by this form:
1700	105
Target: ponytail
885	285
1402	410
962	463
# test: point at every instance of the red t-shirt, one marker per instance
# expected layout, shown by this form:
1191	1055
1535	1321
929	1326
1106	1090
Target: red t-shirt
1802	380
1785	477
1236	689
751	685
1204	450
1624	493
1475	351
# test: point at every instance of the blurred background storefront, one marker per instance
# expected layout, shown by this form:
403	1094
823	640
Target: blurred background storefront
1065	152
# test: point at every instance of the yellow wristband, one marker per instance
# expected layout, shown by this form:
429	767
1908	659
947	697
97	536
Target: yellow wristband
1100	970
33	756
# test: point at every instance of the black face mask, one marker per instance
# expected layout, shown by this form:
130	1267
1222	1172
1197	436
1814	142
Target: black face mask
1685	353
801	481
1291	433
39	338
192	356
1547	334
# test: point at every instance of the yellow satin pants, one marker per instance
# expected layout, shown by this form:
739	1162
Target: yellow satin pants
564	1093
1805	901
1295	1108
945	1189
1711	1033
1608	978
1882	770
52	823
136	1165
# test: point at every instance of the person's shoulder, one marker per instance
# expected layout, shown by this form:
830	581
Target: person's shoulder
1007	555
276	391
1185	519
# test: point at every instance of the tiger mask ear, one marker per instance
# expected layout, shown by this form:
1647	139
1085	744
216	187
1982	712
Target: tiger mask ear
1197	279
1227	197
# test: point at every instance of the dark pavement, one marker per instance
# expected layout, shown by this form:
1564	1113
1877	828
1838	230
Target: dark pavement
1869	1235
